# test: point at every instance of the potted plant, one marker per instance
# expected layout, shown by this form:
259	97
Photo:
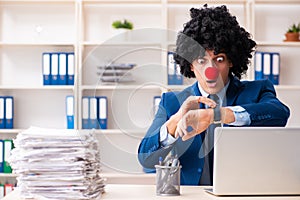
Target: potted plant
292	33
125	24
121	30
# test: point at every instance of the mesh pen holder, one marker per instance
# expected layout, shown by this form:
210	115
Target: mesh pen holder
168	180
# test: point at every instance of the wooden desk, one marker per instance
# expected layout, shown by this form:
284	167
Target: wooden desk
147	192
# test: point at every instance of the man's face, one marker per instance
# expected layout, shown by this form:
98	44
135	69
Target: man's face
212	71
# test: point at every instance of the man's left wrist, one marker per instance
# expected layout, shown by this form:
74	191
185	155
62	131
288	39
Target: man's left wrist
217	119
227	115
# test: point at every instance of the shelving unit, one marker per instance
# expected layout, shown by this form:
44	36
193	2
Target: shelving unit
30	27
270	21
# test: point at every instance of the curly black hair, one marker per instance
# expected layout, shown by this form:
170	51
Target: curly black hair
213	29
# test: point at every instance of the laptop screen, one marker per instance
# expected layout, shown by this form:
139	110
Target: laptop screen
256	161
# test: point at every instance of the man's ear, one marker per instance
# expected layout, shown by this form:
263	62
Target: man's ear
192	67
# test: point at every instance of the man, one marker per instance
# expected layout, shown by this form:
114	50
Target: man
213	48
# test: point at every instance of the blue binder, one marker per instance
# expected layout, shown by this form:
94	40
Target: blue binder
62	68
1	156
275	66
267	66
102	112
46	63
70	68
258	65
2	112
54	68
156	101
93	122
9	112
70	111
174	75
85	112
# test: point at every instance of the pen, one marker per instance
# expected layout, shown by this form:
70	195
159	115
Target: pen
160	160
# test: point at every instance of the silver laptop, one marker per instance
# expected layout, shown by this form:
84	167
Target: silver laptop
256	161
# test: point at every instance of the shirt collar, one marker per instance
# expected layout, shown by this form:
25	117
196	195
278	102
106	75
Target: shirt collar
221	93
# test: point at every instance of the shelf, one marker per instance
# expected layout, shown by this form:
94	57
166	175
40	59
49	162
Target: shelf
209	2
120	87
52	87
280	44
277	2
36	1
131	87
118	131
287	87
8	175
38	43
121	2
116	43
10	131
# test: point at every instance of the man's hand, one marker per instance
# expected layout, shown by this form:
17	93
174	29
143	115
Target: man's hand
191	103
194	122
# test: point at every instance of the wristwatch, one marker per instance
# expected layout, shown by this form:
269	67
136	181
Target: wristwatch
217	115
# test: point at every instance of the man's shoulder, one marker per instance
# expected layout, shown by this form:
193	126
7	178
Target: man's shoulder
178	97
256	83
188	91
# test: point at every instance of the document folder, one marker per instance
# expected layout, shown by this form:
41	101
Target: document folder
85	112
1	156
1	190
258	60
62	77
275	63
102	112
70	111
9	112
70	68
174	75
8	146
2	112
46	68
93	123
8	188
156	101
54	69
267	66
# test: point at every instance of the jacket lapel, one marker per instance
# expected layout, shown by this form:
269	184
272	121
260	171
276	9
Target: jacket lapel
195	89
197	93
233	90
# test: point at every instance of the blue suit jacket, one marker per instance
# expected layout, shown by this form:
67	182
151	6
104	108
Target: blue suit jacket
257	97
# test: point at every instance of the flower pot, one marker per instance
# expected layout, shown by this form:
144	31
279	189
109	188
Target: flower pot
121	35
292	37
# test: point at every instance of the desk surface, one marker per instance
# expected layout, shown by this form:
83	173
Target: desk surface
147	192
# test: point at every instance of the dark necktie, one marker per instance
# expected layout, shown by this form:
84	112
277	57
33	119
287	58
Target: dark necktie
208	142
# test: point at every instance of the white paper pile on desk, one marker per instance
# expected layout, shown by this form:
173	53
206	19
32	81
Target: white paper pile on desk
57	164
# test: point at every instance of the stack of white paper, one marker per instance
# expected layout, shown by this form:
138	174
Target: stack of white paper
57	164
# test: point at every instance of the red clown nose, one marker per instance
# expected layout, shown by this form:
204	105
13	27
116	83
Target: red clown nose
211	73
